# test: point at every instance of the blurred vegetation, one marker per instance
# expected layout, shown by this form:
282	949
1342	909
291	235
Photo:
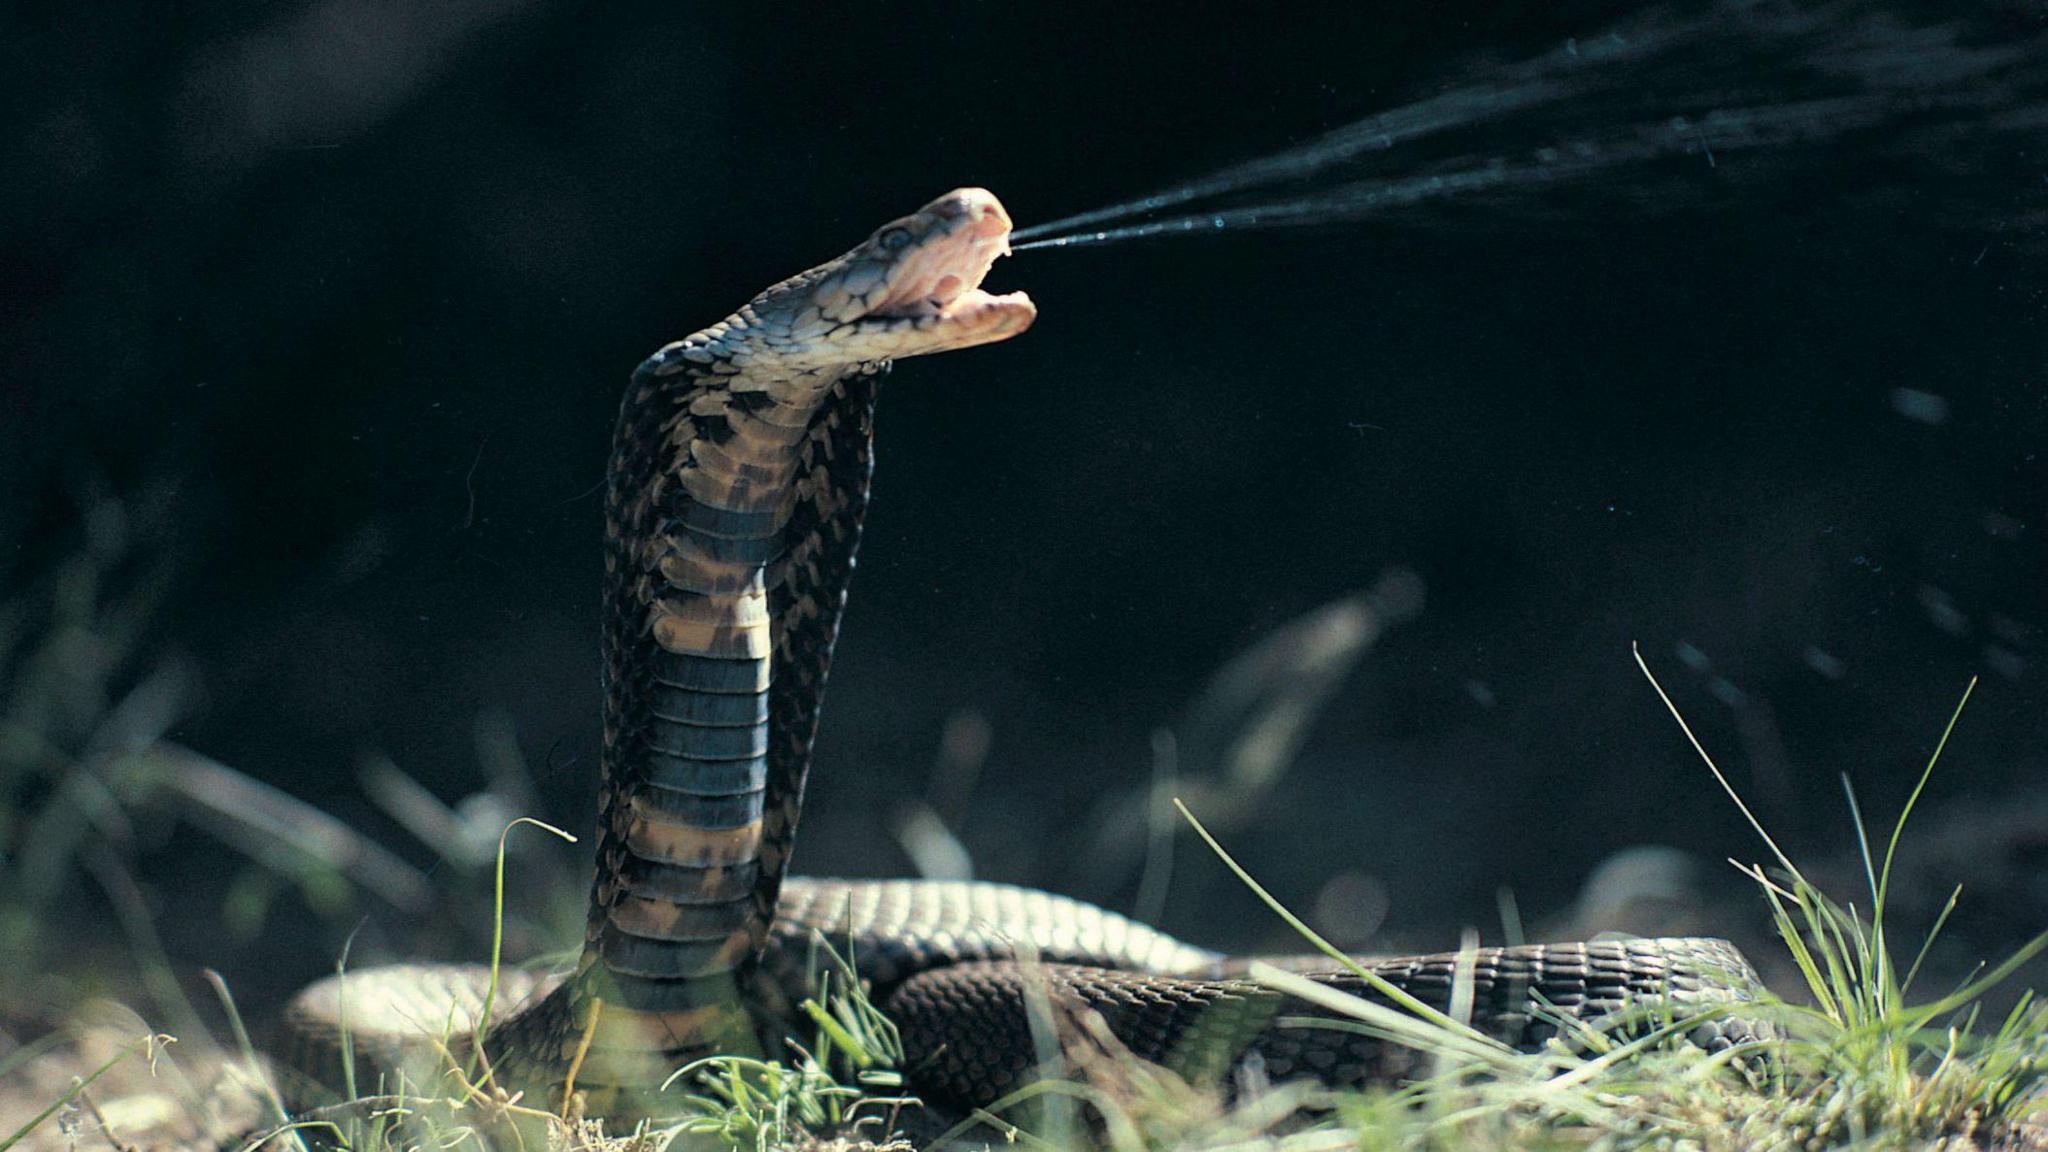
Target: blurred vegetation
96	795
99	803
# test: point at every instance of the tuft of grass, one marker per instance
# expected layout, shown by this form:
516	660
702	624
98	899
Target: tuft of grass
846	1081
1861	1061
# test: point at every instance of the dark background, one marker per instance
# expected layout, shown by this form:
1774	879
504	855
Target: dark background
338	297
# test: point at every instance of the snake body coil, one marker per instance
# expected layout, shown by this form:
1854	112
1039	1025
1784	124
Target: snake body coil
737	485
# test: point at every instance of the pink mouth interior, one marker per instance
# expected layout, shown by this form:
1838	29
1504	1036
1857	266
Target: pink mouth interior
944	277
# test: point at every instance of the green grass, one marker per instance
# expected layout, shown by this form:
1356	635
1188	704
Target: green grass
845	1080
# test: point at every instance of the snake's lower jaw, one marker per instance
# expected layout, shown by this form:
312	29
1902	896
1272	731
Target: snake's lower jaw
974	317
978	317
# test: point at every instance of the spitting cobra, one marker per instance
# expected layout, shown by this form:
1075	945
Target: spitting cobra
738	480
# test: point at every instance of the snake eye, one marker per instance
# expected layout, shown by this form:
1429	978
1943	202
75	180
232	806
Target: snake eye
894	239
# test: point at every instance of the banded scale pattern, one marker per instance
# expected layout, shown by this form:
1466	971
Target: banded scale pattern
733	496
967	1033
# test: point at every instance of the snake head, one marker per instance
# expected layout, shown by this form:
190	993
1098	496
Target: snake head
910	289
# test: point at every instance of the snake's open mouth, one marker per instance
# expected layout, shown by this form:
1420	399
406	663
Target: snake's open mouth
941	275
